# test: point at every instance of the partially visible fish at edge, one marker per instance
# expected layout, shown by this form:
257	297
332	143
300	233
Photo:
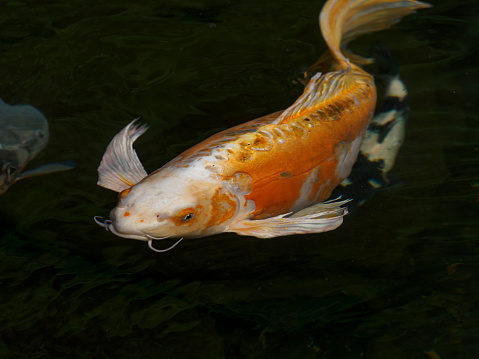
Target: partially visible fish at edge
384	136
271	176
23	134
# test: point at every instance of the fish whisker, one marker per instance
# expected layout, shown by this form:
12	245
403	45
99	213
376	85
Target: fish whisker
157	238
98	222
150	244
105	224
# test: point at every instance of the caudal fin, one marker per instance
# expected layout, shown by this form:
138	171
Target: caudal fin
342	21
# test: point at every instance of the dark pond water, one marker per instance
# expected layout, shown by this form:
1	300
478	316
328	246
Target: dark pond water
399	279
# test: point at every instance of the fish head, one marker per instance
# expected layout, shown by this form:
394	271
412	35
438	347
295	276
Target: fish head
23	133
17	149
172	203
9	172
23	129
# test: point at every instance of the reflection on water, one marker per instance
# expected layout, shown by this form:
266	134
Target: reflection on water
397	280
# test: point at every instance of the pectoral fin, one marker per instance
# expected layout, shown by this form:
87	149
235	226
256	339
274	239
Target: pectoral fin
46	169
120	167
321	217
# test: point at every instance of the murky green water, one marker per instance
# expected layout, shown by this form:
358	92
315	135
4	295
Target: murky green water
397	280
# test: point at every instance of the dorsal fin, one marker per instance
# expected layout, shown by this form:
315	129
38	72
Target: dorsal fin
342	21
319	89
120	167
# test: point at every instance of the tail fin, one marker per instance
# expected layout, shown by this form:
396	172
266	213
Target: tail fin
342	21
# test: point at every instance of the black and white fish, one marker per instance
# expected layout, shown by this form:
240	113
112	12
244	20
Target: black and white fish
384	136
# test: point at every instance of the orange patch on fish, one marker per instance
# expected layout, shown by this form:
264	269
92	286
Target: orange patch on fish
223	209
274	193
127	214
125	192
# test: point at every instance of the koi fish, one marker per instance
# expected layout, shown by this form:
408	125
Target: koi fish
268	177
384	136
23	134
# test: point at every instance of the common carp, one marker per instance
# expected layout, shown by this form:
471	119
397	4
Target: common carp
268	177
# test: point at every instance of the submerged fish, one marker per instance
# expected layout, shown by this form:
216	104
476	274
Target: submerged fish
384	136
23	134
268	177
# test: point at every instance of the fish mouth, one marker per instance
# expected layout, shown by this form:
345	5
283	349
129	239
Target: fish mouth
110	227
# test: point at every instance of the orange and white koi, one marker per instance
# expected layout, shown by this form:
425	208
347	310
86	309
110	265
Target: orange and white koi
268	177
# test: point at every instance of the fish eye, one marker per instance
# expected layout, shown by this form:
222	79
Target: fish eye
11	170
187	217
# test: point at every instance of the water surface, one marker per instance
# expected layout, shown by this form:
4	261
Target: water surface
397	280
